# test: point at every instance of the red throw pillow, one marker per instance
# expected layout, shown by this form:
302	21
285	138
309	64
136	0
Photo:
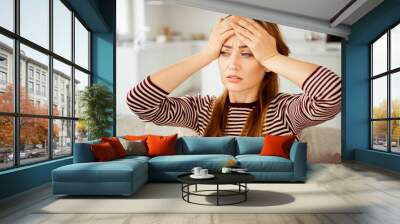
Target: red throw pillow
116	145
277	145
103	151
161	145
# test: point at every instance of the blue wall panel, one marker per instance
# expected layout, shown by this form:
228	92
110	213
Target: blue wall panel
355	64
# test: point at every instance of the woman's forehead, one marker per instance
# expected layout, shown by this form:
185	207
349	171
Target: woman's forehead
234	42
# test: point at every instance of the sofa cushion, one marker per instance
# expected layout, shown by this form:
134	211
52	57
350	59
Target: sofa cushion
134	147
110	171
116	145
83	152
257	163
195	145
103	151
159	145
277	145
248	145
185	163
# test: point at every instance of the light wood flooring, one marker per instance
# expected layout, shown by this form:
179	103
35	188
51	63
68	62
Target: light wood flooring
352	181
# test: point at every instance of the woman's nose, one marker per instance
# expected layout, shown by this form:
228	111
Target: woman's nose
233	61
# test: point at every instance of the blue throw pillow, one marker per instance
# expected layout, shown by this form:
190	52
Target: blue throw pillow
192	145
248	145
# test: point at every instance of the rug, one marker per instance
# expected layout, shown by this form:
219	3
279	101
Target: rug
167	198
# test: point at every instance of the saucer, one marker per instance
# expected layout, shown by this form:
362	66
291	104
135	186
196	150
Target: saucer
208	176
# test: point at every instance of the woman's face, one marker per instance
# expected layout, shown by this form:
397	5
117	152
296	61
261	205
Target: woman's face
237	59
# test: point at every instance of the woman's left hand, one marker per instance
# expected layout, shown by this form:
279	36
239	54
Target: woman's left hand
260	42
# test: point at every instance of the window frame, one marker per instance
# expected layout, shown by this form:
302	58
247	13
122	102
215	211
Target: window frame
16	114
388	74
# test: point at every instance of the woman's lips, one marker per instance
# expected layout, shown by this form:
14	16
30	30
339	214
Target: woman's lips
233	79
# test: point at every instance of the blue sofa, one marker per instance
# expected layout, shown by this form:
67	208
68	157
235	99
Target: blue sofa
126	175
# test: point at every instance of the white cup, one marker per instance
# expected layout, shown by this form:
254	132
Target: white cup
203	172
226	170
196	170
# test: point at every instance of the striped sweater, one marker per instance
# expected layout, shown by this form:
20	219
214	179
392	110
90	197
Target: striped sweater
286	114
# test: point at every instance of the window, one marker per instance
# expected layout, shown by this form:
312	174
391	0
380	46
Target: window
38	89
6	74
34	25
30	87
3	61
385	94
54	125
81	81
62	29
3	72
44	91
3	78
37	75
30	72
43	77
62	74
7	14
81	45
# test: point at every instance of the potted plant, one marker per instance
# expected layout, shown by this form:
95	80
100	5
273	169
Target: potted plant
96	103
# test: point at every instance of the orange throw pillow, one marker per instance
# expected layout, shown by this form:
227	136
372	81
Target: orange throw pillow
277	145
135	137
161	145
103	151
116	145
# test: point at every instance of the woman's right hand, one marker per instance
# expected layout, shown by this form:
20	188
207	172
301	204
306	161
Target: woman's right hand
220	33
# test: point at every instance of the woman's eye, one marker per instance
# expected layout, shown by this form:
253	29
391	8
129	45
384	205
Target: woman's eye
224	53
247	54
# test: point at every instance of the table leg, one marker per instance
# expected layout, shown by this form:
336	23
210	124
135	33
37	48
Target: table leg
217	194
245	193
196	188
188	189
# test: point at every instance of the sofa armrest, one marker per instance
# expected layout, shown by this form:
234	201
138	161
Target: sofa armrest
83	152
298	155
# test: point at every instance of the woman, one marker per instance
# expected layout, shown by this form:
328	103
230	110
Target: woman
250	54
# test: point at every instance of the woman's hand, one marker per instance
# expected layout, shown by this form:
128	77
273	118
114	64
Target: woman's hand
251	33
220	33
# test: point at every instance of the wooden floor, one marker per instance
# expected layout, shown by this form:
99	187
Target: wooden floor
378	188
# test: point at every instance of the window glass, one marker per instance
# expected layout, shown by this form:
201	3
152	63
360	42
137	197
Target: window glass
379	135
379	56
81	81
39	62
6	75
62	29
379	97
62	138
81	45
6	142
395	47
62	91
33	140
7	14
34	21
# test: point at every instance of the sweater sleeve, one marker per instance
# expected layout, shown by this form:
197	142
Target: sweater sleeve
321	100
152	104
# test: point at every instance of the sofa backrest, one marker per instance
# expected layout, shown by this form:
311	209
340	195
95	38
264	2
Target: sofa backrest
192	145
248	145
83	152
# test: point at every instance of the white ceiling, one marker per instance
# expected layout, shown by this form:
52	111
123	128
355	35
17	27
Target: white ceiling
325	16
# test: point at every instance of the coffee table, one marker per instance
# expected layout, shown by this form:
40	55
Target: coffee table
238	179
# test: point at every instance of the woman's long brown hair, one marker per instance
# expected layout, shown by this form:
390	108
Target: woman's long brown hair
266	93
